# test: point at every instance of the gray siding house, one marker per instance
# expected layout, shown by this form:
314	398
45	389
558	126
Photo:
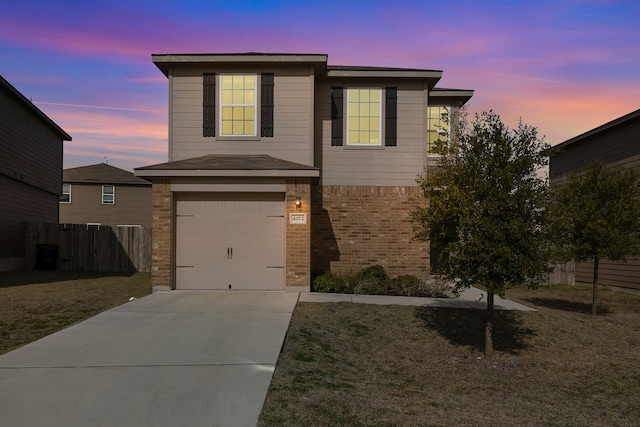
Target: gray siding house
616	142
281	164
104	195
30	172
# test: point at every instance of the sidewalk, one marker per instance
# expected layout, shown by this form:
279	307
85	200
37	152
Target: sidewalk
471	298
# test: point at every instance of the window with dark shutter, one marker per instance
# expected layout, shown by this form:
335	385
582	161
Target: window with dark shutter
391	117
209	105
336	116
266	109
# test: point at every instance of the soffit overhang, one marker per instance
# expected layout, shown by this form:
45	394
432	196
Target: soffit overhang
166	61
215	165
454	97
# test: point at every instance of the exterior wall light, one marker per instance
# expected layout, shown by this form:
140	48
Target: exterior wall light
298	203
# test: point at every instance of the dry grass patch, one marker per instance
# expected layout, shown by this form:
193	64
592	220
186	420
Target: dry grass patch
34	304
366	365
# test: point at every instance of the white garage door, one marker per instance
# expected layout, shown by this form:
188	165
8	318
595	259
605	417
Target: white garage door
230	241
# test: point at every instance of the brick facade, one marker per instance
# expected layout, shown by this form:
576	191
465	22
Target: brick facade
161	231
356	226
298	236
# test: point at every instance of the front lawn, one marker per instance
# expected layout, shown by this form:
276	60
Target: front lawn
365	365
34	304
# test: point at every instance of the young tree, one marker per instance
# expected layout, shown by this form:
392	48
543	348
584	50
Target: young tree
485	209
597	215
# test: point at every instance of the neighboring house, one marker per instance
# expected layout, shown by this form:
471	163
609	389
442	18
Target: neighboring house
280	165
104	195
615	142
30	172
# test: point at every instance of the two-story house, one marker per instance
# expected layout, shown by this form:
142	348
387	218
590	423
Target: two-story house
102	194
30	172
280	164
615	142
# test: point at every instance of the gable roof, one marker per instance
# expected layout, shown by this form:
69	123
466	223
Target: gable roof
230	165
6	87
101	173
613	123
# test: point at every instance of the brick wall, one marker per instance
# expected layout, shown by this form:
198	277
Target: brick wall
298	247
161	232
355	227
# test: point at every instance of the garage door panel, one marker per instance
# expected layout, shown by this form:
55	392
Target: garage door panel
204	278
230	239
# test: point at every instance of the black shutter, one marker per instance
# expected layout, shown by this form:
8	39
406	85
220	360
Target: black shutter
266	109
336	116
209	104
391	117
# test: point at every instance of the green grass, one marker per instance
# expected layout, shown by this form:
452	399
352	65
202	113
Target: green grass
365	365
34	304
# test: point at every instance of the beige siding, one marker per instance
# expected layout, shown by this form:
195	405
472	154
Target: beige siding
132	206
626	275
620	145
30	175
377	166
31	152
19	204
293	110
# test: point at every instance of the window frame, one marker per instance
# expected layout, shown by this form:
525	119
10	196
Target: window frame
221	105
381	117
68	194
112	194
430	131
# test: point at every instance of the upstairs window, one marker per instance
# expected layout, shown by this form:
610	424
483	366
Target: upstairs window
108	194
364	112
437	129
238	105
66	193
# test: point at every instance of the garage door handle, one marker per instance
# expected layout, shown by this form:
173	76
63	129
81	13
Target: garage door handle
231	253
275	266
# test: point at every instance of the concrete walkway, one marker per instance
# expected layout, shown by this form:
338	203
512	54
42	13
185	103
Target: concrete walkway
169	359
470	298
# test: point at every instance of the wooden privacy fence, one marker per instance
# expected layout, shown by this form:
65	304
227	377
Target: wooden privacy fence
90	248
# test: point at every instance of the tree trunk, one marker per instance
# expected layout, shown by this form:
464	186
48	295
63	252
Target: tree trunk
594	304
488	330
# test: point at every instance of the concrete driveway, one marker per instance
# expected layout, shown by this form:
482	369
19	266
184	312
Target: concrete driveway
168	359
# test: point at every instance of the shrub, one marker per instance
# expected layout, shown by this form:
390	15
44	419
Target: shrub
375	281
330	283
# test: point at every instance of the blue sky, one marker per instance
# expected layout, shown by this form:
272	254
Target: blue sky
564	66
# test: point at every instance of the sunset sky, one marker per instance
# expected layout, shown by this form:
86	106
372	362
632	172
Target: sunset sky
564	66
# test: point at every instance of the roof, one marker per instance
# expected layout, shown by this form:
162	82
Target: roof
164	61
360	71
450	96
15	94
617	122
101	173
230	165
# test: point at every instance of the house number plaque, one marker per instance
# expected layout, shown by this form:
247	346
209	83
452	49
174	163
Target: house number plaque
297	218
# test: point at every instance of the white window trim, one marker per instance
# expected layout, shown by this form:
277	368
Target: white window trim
255	106
380	115
92	225
113	202
63	193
